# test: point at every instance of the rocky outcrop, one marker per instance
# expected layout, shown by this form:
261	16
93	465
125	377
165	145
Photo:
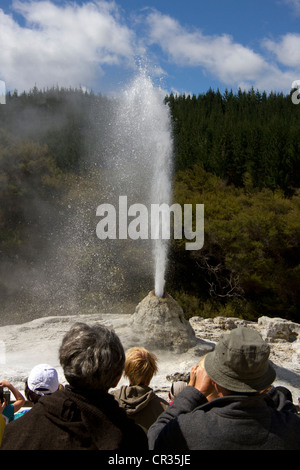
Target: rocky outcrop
277	329
159	323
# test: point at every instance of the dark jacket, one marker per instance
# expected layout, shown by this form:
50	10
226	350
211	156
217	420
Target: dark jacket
69	420
227	423
141	404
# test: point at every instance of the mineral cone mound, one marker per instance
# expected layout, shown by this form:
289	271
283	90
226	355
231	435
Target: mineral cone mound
159	323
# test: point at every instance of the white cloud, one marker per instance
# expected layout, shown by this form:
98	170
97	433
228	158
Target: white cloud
69	44
295	4
230	61
219	55
66	45
286	49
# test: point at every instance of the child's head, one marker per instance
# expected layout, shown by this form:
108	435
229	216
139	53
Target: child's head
140	366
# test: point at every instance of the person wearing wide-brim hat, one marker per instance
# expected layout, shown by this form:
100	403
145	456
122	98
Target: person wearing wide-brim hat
229	403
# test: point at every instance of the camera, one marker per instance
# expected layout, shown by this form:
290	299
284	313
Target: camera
4	395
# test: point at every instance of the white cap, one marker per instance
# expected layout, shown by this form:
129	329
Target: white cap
43	379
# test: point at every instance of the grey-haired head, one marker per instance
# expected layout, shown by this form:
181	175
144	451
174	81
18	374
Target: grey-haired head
92	357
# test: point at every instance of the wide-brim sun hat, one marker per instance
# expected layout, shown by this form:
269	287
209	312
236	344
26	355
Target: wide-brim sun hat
240	362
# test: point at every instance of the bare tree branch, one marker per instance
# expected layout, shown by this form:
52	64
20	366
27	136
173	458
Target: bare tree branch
222	282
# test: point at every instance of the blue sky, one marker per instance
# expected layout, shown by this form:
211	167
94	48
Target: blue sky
187	46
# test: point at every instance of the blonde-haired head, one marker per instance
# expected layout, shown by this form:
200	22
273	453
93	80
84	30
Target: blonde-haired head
140	366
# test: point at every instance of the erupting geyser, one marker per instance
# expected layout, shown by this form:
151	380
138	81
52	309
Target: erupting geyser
143	158
142	154
162	194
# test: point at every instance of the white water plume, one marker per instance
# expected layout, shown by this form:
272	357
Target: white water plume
143	155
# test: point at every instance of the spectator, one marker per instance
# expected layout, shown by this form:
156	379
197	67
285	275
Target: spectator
2	420
243	417
175	389
12	408
83	416
42	380
138	398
